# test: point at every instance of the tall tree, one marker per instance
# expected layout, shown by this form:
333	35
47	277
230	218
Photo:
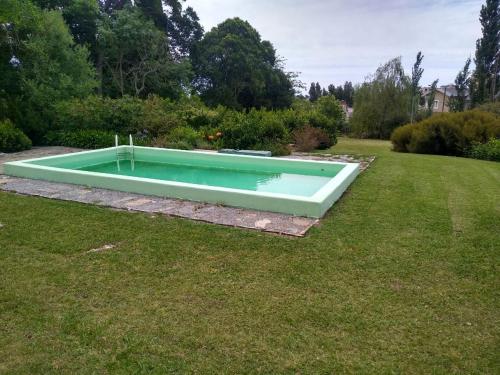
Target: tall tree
416	75
458	102
486	78
81	16
39	65
348	93
316	92
431	97
136	58
381	103
313	96
183	28
235	68
153	9
109	6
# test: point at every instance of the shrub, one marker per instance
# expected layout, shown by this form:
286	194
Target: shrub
106	114
258	130
309	138
85	138
163	142
492	107
184	138
446	133
326	114
485	151
191	122
184	134
12	139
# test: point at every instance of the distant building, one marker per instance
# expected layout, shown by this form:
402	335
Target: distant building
347	110
442	97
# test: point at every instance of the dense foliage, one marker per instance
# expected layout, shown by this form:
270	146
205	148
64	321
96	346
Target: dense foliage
382	103
83	138
75	72
492	107
447	133
235	68
189	123
136	58
12	139
485	82
345	93
308	138
485	151
39	65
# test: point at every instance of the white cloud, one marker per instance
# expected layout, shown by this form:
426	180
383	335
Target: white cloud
334	41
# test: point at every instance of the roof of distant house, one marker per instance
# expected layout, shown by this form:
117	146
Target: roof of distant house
449	90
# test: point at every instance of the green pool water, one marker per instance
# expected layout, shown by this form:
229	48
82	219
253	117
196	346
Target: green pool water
284	183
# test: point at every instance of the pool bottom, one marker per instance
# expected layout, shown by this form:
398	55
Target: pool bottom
260	181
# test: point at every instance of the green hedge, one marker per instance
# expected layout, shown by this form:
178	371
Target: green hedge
12	139
85	138
485	151
189	123
446	133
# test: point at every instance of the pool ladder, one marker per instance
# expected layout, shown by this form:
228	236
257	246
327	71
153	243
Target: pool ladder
125	154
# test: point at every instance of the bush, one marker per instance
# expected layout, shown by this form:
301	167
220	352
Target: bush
309	138
257	130
86	138
326	113
12	139
184	138
191	123
492	107
185	134
446	133
485	151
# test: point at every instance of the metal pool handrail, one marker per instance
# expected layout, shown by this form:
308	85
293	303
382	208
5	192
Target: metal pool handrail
122	154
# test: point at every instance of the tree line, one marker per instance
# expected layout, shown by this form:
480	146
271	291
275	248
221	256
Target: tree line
52	50
345	92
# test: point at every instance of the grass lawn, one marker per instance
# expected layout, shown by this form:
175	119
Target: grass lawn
400	277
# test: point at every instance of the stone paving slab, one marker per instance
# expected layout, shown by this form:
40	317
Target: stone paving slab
35	152
364	161
217	214
223	215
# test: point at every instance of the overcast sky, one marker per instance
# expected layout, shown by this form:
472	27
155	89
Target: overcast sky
332	41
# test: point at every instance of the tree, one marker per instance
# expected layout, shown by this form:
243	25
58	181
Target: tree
153	10
431	97
381	103
81	16
136	57
39	65
109	6
486	78
457	103
235	68
416	74
344	93
315	92
348	93
183	28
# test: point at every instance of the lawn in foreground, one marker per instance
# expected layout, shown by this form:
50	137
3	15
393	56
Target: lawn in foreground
400	276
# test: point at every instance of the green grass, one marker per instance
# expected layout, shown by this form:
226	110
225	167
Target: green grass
400	277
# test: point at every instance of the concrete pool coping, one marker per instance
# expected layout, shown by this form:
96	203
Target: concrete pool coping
229	216
66	168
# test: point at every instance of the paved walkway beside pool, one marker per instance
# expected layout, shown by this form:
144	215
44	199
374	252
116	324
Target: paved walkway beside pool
229	216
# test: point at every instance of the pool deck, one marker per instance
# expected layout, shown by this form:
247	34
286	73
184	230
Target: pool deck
229	216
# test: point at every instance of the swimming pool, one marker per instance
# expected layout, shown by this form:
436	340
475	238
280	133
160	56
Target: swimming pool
297	187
